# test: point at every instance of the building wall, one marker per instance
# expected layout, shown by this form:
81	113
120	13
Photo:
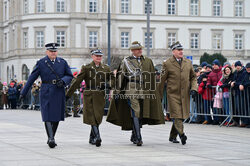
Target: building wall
77	22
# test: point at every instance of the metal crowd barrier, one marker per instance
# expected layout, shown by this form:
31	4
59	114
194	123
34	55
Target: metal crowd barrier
26	101
29	103
234	104
70	104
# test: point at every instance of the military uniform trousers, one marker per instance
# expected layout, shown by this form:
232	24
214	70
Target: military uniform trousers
177	128
134	97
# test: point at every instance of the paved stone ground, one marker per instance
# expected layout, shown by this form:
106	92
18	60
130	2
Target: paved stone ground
23	143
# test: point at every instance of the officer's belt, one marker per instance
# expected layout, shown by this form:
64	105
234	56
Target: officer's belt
50	82
94	88
136	81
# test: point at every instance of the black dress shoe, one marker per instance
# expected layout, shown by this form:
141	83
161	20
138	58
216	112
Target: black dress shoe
139	143
174	140
48	142
92	141
183	139
133	139
52	143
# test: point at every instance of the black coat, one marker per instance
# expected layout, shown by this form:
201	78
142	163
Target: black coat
238	77
227	81
246	79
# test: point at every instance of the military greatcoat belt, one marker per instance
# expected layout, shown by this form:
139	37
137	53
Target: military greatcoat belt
50	82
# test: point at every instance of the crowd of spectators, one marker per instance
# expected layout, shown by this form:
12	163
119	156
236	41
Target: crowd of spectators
224	90
9	94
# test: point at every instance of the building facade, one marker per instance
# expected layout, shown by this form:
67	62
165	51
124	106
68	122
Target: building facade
210	26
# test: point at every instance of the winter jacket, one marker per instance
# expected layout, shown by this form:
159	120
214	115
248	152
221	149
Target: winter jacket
206	92
12	93
225	83
214	77
246	79
238	77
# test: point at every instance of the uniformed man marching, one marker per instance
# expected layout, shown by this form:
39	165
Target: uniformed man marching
181	82
96	76
55	75
136	101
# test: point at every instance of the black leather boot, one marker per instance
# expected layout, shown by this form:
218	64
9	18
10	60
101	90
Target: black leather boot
137	130
174	140
183	138
97	138
91	137
133	137
54	128
50	133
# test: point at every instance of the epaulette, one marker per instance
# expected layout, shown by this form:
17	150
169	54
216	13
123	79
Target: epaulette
60	59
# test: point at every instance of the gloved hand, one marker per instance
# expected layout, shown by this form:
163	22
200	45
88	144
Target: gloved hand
193	93
210	86
60	83
204	85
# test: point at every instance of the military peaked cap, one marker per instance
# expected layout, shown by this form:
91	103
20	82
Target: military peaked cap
177	46
96	52
52	46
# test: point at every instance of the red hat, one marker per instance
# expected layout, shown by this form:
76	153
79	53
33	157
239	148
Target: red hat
12	83
75	73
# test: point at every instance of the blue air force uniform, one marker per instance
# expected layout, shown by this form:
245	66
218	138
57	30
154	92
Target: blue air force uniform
52	98
55	75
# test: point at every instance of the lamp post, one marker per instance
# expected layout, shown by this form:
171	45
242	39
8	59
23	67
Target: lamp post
108	32
148	27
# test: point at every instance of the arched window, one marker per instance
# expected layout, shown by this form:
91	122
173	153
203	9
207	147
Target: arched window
25	72
12	72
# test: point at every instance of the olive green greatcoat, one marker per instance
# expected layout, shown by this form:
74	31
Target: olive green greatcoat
93	100
180	80
151	113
